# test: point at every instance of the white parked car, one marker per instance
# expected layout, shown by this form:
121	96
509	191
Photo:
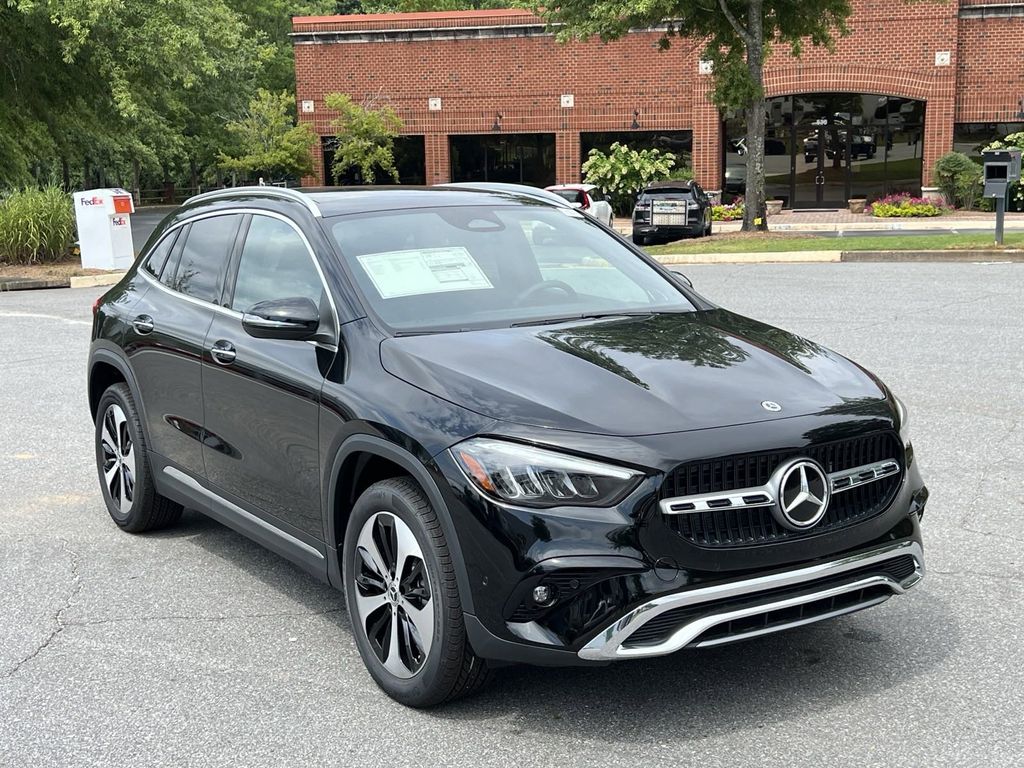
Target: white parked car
588	198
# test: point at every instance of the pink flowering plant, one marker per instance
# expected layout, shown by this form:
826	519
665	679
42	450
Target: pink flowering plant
903	205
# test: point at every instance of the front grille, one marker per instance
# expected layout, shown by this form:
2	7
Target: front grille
659	628
744	527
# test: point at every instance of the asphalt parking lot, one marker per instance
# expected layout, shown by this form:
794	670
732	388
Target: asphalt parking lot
196	647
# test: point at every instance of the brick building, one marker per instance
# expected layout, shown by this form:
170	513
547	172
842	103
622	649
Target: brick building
491	95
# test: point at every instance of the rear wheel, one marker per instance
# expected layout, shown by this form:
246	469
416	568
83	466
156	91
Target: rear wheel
125	475
403	598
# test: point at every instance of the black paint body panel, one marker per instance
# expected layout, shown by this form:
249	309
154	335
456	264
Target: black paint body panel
282	434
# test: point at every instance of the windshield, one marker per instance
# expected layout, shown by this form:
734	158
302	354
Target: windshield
447	269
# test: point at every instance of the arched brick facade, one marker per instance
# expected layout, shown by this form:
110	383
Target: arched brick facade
962	62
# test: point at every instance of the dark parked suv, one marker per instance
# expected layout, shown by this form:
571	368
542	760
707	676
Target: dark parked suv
506	433
670	210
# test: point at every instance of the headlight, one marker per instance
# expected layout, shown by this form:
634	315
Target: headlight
535	477
904	417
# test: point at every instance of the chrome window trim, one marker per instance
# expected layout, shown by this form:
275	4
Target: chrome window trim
838	482
608	644
281	192
227	310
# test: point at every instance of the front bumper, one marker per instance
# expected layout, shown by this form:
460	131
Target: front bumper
613	565
746	608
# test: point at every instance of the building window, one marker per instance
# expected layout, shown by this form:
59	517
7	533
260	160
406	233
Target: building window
971	138
823	148
679	143
410	160
515	158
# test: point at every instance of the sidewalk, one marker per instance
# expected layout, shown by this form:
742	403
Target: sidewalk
844	221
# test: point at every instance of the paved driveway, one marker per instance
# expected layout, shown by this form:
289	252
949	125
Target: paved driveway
196	647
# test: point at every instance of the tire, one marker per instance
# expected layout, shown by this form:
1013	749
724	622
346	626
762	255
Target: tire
412	672
122	462
708	229
640	240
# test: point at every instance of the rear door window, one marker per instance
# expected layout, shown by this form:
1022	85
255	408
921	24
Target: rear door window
205	255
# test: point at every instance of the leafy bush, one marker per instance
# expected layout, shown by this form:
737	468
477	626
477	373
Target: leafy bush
903	205
731	212
959	178
623	172
36	225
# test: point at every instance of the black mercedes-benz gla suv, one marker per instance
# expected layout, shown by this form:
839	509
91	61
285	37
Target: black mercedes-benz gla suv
504	432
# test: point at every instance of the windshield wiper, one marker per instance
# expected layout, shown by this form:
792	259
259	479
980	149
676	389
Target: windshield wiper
584	316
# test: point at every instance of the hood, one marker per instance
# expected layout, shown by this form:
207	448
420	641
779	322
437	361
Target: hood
633	376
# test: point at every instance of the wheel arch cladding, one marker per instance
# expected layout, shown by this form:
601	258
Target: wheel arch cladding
102	376
365	459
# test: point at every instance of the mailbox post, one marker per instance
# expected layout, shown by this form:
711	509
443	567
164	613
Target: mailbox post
105	228
1002	166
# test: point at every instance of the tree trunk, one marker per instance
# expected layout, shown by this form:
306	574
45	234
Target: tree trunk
754	213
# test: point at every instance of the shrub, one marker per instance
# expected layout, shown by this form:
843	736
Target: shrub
36	225
623	172
959	178
731	212
903	205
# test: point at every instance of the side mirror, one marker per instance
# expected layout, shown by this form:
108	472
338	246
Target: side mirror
296	319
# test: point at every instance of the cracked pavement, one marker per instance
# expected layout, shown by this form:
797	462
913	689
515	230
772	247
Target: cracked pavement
196	647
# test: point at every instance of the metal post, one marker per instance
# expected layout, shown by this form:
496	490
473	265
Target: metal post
1000	211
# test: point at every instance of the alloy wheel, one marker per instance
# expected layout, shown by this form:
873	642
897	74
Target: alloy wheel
119	470
393	594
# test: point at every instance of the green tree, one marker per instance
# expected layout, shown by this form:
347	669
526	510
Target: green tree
101	91
365	137
624	171
737	37
268	141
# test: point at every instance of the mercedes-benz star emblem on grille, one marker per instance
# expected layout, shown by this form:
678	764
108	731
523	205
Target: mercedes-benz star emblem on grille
803	494
771	405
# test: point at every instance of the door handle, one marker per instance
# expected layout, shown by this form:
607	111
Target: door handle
223	352
143	324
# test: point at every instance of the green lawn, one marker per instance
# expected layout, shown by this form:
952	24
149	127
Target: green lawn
742	243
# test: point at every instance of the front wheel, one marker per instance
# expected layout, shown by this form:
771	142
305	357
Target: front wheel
403	598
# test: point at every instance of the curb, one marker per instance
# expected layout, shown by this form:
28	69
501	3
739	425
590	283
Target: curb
766	257
40	283
798	257
948	256
31	283
89	281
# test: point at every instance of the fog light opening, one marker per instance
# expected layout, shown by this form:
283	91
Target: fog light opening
543	595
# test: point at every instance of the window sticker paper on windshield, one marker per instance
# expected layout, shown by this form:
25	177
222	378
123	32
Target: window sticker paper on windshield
425	270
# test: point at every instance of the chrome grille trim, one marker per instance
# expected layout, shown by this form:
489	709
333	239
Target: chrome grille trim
868	473
610	643
840	481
